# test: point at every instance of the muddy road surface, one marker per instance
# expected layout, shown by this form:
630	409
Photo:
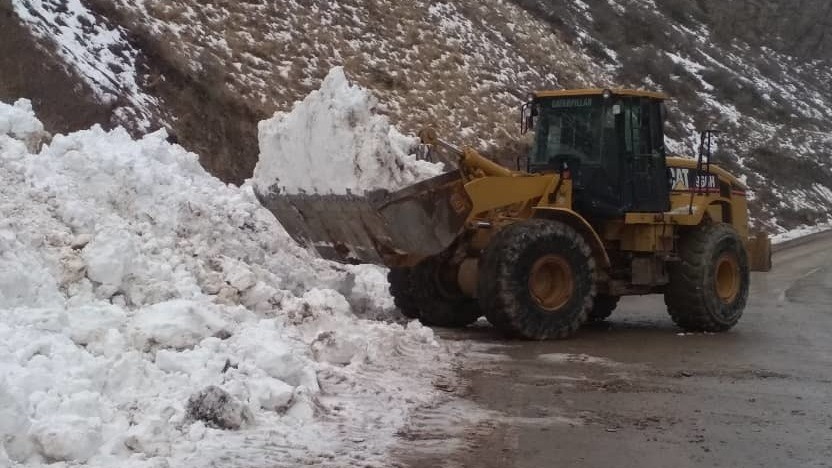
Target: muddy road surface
637	392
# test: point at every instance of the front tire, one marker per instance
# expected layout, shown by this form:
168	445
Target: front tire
708	288
439	302
402	290
536	280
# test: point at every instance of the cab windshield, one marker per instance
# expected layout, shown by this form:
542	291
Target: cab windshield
568	128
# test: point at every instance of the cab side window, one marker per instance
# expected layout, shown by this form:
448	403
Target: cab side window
632	127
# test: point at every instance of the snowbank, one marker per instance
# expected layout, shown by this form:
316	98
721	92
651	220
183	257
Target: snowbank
333	142
151	315
801	231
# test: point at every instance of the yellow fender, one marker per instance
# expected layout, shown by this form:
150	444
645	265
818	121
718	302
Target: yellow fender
491	193
581	225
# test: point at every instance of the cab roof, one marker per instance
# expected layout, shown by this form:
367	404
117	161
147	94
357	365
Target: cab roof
598	92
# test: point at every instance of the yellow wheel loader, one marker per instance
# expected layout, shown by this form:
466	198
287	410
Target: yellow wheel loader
598	213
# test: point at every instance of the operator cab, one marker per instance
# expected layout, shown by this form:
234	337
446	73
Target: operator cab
610	142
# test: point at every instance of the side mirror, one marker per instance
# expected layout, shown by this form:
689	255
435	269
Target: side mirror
527	114
707	144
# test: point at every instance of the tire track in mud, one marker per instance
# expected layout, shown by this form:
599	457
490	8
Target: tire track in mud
820	277
403	367
451	431
353	426
451	428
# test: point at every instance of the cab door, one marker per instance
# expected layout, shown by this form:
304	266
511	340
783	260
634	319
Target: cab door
645	181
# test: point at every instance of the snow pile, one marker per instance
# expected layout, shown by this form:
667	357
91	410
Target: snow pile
333	142
151	315
19	122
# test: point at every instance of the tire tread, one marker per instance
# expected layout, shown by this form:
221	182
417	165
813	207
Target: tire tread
690	301
497	294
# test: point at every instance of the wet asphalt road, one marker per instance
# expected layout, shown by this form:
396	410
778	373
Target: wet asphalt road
636	392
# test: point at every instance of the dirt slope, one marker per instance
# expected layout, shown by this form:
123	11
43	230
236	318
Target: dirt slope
32	70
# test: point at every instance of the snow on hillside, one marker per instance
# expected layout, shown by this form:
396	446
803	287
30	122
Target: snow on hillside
775	110
151	315
802	231
464	66
419	56
99	51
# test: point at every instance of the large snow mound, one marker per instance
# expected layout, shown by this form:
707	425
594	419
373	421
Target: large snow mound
334	142
151	315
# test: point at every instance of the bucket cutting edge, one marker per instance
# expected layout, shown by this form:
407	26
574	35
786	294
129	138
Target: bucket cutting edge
380	227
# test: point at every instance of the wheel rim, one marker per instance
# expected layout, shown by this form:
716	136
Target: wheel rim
550	282
727	278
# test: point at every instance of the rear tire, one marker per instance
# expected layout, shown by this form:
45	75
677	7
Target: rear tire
441	304
708	288
401	288
536	280
603	307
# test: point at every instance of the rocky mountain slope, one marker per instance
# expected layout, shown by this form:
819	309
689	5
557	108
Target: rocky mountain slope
210	70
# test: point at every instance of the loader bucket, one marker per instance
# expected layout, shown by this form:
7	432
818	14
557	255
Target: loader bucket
759	253
419	221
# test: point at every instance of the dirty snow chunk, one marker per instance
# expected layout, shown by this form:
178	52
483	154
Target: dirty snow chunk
335	348
238	275
14	426
12	149
109	256
151	437
19	122
271	394
303	408
176	324
67	437
369	296
95	327
216	407
333	142
265	347
24	281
